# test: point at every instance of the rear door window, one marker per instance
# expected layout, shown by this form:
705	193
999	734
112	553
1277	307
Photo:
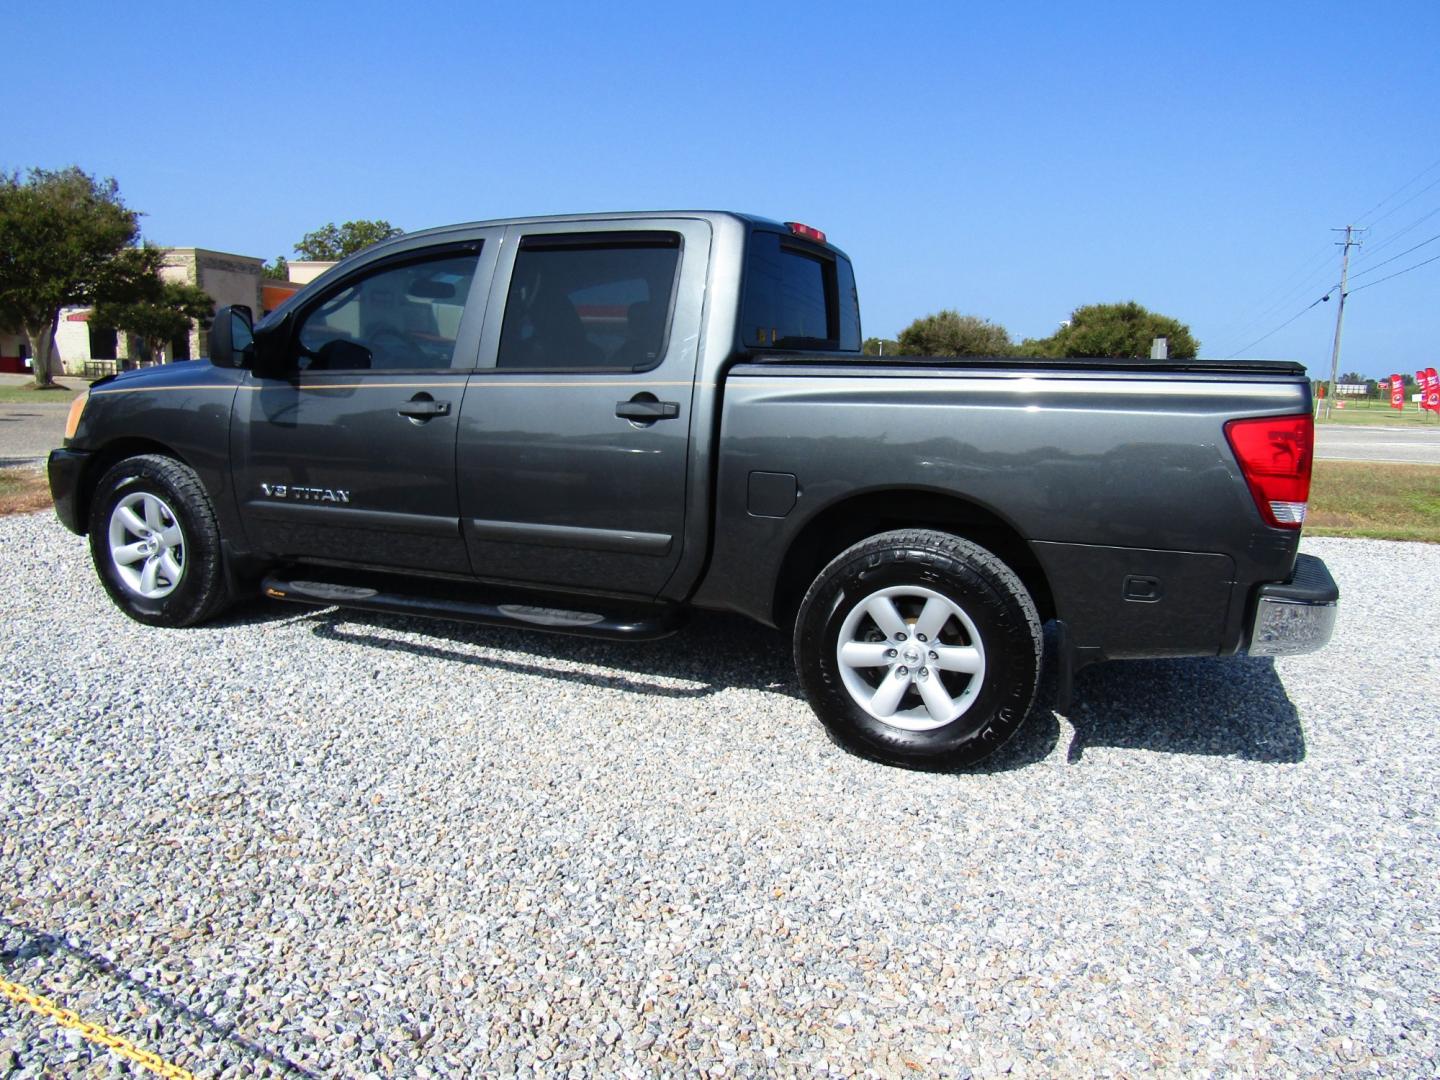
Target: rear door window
590	301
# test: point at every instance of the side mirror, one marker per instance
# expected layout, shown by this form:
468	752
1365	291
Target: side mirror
270	356
232	338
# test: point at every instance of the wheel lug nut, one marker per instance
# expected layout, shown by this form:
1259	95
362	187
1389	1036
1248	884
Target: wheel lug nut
899	637
890	653
924	673
902	670
919	637
934	655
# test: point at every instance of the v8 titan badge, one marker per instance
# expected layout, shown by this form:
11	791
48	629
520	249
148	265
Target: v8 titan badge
292	493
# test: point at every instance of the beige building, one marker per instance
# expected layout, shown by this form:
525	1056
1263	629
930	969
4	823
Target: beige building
303	271
227	278
85	349
89	350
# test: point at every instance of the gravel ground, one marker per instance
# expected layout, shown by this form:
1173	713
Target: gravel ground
329	844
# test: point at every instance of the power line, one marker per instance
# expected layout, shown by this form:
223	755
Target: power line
1392	258
1407	202
1396	235
1397	191
1397	273
1287	292
1287	322
1331	290
1283	297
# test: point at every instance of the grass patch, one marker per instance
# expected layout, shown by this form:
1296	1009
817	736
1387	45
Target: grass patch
1376	414
23	490
26	394
1380	501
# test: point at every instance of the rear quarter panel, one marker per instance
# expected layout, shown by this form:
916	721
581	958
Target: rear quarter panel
1081	465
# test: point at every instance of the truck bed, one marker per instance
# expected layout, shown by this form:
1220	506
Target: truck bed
853	364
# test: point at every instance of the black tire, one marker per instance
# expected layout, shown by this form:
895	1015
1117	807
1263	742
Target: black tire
199	590
982	599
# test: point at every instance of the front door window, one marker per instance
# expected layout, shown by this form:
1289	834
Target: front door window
402	318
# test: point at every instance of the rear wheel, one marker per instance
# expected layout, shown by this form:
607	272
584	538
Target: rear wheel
155	542
918	648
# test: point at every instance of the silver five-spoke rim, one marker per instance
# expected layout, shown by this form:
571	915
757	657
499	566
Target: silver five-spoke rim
911	658
146	545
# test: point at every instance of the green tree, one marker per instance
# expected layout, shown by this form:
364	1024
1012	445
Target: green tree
159	313
875	346
948	333
1114	331
279	270
332	241
66	239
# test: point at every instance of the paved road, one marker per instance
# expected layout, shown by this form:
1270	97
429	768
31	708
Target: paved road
29	432
1377	444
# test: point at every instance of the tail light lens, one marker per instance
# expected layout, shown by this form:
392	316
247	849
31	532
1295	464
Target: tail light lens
1275	454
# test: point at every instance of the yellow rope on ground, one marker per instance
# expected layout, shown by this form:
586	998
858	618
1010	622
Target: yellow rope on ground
94	1032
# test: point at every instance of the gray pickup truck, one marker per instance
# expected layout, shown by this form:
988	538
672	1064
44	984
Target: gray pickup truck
592	424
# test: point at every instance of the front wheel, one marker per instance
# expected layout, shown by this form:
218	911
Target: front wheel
918	648
155	542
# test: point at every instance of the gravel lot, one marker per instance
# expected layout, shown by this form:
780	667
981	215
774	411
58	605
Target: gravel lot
329	844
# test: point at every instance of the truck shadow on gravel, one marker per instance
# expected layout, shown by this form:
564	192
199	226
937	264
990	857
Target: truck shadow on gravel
735	654
1230	707
23	945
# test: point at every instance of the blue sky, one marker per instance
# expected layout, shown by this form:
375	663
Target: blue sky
1008	160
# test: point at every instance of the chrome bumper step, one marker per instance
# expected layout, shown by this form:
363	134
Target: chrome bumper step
1296	616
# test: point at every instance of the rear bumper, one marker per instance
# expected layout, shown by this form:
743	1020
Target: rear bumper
65	468
1296	616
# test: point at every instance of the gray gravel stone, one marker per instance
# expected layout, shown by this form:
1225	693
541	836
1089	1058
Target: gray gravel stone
326	843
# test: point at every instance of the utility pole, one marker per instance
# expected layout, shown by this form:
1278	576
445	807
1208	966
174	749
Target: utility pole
1346	245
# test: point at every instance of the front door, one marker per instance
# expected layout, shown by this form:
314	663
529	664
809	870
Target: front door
575	435
349	455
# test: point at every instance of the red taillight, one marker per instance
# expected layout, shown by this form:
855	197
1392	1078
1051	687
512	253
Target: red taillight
809	232
1275	453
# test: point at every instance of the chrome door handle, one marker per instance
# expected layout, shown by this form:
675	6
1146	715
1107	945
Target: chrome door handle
641	409
423	408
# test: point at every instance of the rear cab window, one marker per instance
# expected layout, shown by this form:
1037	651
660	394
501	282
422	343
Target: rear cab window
798	295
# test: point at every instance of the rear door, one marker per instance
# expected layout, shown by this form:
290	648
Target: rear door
349	456
575	432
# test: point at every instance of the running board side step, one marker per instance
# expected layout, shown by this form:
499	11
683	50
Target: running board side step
463	602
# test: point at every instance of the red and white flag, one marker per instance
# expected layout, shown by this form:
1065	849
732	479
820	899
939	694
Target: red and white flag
1432	390
1397	393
